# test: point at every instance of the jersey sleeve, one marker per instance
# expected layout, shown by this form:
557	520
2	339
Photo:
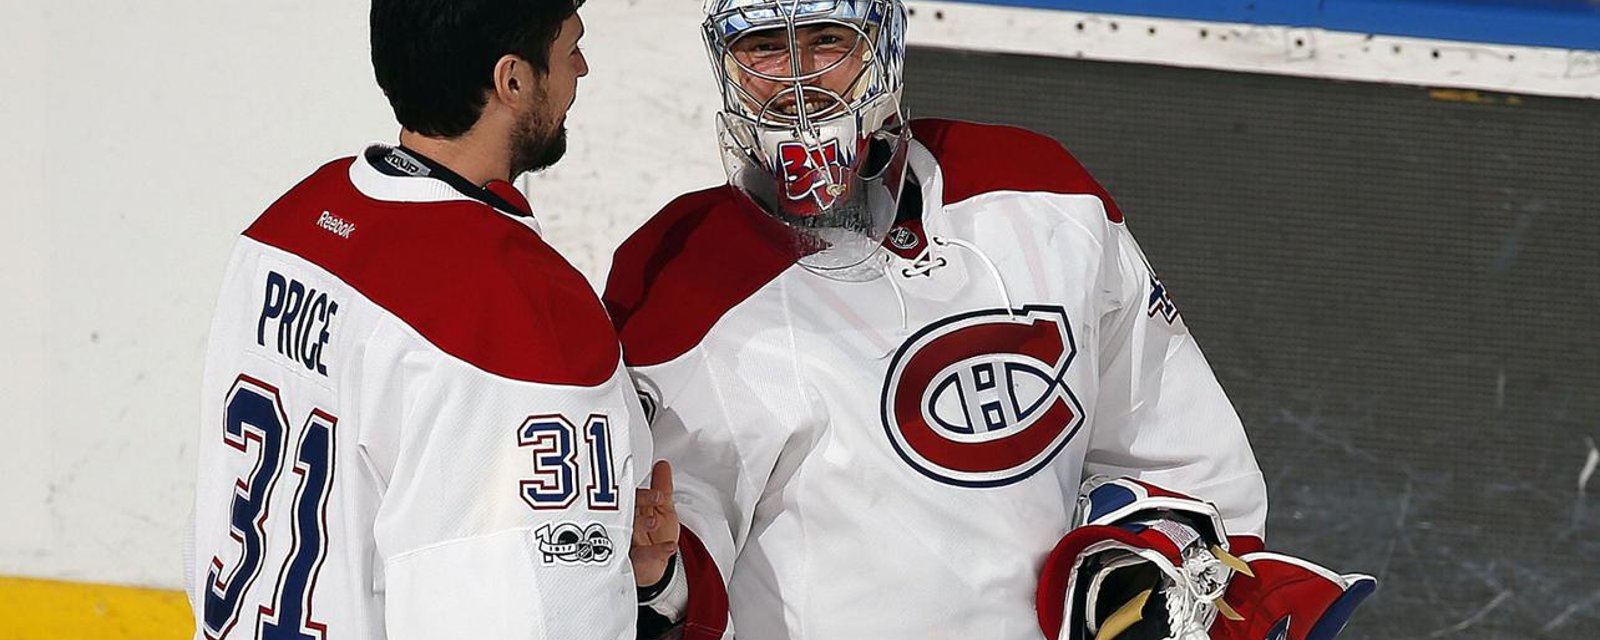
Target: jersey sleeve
721	428
1161	415
506	504
720	411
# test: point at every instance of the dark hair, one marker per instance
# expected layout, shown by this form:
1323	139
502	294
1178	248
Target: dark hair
435	59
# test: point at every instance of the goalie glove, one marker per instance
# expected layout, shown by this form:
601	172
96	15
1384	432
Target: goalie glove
1144	563
1288	598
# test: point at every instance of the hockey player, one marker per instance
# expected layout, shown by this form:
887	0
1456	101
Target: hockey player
415	423
885	355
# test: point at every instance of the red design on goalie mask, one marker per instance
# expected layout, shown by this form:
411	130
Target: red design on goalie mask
812	175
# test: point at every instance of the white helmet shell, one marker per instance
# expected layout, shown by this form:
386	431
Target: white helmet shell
817	139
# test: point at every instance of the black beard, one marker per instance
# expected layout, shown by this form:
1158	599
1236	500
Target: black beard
535	146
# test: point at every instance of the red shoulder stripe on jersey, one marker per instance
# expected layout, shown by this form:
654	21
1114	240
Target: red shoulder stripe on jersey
683	270
477	284
981	158
710	250
707	615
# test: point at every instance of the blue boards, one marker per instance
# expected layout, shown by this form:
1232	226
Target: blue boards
1564	24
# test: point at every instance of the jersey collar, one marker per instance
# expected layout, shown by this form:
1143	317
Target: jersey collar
398	174
921	163
924	194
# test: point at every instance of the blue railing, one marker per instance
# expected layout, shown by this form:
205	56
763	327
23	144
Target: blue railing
1566	24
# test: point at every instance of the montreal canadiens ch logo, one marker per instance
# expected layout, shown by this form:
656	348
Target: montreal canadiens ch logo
980	399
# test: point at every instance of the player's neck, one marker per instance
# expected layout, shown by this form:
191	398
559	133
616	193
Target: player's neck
469	155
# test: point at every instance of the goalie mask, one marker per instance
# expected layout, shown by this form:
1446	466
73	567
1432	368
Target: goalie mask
810	127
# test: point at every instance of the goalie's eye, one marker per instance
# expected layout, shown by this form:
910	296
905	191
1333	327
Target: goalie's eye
759	46
834	38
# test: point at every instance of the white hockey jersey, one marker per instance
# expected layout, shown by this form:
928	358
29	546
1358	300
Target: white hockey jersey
894	457
415	423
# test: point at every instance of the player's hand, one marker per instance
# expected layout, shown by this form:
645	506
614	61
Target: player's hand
655	527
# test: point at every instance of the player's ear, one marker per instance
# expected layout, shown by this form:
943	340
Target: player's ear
513	79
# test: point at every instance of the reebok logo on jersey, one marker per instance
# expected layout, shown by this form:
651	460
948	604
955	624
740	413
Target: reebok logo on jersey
336	225
568	543
980	399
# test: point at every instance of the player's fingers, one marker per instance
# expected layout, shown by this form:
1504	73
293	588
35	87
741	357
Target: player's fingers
661	478
649	564
666	516
646	498
653	553
664	550
646	526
